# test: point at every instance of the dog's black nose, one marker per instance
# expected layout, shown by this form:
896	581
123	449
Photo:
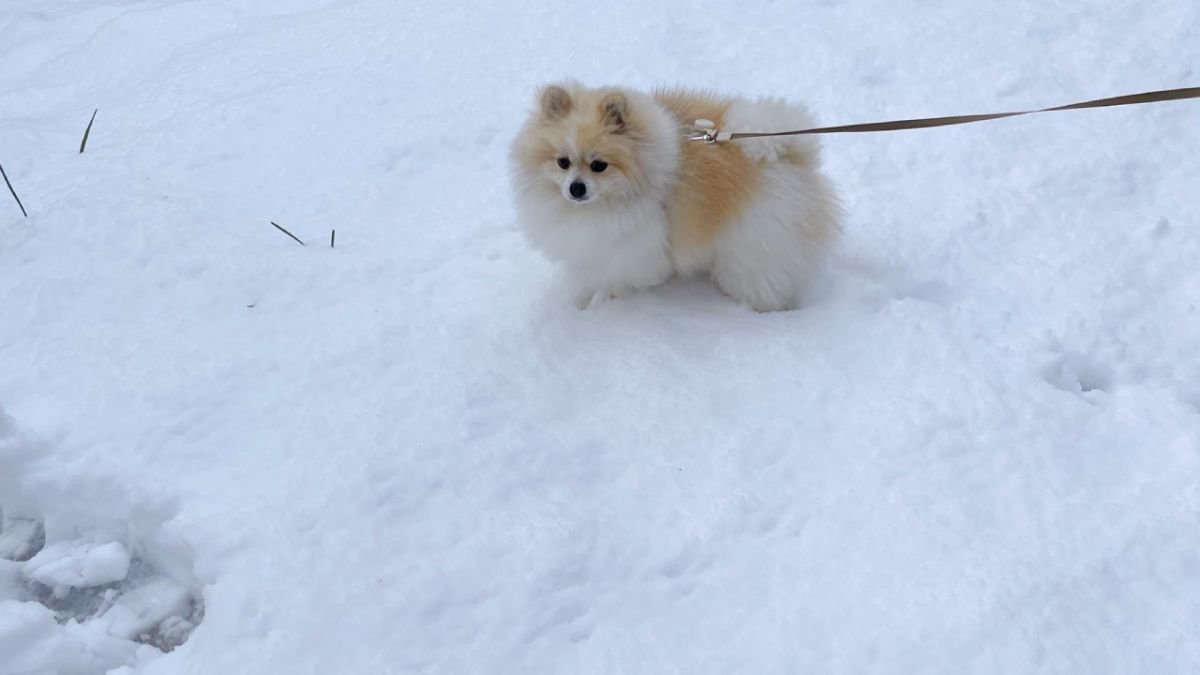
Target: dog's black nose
578	190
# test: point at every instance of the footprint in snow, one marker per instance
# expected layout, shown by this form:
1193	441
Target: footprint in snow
1077	374
84	603
54	593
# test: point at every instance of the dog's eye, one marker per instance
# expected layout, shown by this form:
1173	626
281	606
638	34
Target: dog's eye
599	165
564	163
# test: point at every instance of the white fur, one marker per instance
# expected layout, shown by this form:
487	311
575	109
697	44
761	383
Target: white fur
765	257
620	242
772	250
773	114
608	248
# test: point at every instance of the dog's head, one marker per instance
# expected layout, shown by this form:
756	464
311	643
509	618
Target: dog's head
583	143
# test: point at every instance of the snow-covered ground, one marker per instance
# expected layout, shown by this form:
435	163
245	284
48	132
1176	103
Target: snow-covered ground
976	451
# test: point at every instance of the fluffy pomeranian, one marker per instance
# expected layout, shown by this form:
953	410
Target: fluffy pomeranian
608	184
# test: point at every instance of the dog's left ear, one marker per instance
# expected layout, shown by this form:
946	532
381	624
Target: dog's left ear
555	102
614	111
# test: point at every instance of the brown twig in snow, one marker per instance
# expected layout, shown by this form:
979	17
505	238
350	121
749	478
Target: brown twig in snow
280	228
88	131
14	192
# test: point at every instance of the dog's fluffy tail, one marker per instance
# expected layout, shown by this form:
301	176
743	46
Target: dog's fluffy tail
773	114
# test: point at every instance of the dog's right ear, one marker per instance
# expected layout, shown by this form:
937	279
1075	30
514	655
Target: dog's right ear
556	102
614	110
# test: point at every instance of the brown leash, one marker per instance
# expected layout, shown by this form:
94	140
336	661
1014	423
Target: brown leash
707	133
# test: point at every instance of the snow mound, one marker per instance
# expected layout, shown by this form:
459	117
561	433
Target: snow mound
78	564
33	640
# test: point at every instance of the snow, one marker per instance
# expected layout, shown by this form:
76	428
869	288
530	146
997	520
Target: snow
31	641
78	564
20	538
977	450
145	608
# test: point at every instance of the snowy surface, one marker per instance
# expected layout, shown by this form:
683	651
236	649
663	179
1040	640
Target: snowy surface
976	451
78	564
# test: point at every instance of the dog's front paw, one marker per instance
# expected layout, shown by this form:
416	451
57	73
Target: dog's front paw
591	298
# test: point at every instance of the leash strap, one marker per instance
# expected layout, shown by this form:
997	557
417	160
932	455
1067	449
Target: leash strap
710	135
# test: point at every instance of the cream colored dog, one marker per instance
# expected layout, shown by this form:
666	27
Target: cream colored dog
608	185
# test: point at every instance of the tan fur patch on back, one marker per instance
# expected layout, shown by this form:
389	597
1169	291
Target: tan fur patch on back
715	181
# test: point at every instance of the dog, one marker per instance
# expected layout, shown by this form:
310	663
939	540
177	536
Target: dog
608	184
